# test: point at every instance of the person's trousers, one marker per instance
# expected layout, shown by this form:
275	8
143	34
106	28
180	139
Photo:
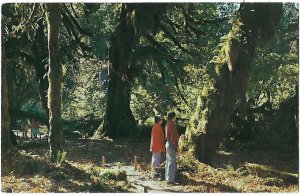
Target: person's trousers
156	156
34	132
170	162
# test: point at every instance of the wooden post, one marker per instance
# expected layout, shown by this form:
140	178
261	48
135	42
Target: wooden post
145	189
135	163
103	161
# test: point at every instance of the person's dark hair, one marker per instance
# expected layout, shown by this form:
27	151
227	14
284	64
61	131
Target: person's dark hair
171	115
157	119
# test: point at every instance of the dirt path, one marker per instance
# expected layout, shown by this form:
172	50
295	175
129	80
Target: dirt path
142	183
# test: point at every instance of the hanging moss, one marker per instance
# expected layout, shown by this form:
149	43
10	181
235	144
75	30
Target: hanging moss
198	123
229	49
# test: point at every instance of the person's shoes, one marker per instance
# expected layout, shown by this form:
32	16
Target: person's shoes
170	183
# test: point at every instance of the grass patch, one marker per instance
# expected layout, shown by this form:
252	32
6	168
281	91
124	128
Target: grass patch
25	145
265	172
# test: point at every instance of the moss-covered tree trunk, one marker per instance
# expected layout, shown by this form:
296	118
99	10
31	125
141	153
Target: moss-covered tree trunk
6	144
215	106
119	120
56	139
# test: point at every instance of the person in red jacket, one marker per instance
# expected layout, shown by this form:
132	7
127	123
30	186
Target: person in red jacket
157	144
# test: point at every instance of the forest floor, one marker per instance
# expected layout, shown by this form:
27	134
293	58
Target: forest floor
82	170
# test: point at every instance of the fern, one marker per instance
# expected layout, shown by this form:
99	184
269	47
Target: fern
60	157
230	169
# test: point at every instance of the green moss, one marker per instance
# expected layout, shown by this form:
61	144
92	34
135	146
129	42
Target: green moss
225	47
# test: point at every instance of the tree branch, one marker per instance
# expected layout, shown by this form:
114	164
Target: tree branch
75	22
173	38
179	92
164	52
203	21
29	58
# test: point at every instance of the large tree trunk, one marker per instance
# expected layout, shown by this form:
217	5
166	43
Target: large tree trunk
216	105
6	144
135	20
56	139
119	120
40	53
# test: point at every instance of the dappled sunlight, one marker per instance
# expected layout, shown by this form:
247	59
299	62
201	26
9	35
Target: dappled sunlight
149	97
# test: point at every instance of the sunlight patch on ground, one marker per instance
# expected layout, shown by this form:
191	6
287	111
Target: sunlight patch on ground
224	152
36	184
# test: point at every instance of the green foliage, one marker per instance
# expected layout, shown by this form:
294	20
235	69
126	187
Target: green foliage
59	159
146	17
275	73
113	175
87	93
237	172
276	64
